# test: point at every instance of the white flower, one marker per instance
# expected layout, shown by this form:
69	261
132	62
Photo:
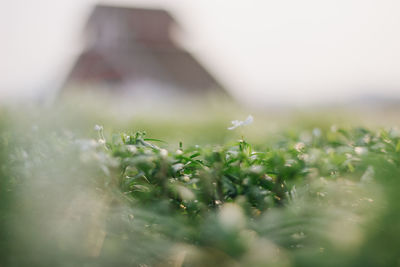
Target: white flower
163	153
299	146
177	167
131	148
237	123
186	178
98	127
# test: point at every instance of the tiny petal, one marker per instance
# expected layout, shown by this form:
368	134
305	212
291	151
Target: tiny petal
237	123
248	120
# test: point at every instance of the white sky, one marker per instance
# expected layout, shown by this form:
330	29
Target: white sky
266	51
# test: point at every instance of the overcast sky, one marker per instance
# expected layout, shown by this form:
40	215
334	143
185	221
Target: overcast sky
266	51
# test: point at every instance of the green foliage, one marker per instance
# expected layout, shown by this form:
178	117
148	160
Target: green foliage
264	177
309	197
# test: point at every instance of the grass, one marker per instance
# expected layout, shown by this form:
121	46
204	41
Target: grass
312	194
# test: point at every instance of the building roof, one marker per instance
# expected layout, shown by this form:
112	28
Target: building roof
126	45
149	26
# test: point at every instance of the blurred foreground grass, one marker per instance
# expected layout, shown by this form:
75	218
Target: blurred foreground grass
302	190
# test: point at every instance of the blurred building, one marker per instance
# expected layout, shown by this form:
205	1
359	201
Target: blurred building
130	52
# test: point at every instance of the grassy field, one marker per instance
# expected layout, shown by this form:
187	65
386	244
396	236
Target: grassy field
89	187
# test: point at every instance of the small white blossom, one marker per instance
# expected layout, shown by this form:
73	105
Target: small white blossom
268	178
299	146
177	167
131	148
186	178
163	153
237	123
98	127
